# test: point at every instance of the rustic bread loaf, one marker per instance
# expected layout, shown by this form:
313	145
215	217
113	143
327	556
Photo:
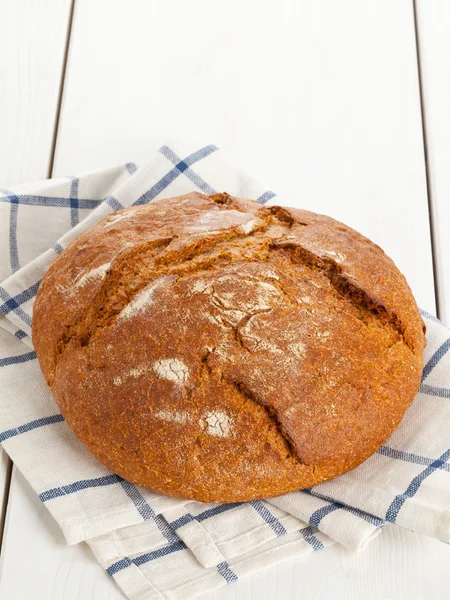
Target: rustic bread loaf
212	348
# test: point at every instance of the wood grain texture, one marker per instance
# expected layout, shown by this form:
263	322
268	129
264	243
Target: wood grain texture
433	27
319	98
32	50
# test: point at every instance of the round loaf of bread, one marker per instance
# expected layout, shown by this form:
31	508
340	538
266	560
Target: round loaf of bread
215	349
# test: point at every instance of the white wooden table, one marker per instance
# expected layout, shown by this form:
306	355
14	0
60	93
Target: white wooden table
343	107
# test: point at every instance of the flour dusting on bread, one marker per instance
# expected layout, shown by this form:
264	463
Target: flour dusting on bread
298	348
116	218
172	369
250	225
133	373
217	423
144	299
95	275
174	416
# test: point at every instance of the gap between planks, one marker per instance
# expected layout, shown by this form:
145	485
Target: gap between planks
431	213
8	468
61	89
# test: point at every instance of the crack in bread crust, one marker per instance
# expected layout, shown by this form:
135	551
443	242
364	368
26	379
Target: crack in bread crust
134	270
246	392
355	294
249	395
132	264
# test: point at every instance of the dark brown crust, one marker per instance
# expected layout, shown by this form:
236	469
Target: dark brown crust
211	348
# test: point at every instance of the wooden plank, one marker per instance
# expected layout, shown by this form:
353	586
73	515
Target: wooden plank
318	98
63	573
32	56
32	51
433	26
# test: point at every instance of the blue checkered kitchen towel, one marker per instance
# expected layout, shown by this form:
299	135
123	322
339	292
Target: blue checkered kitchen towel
157	547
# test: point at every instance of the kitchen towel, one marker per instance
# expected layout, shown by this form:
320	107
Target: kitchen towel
159	547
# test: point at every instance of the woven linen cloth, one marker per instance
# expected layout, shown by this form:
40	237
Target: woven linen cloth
158	547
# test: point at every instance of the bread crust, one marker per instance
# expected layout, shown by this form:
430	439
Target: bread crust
214	349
